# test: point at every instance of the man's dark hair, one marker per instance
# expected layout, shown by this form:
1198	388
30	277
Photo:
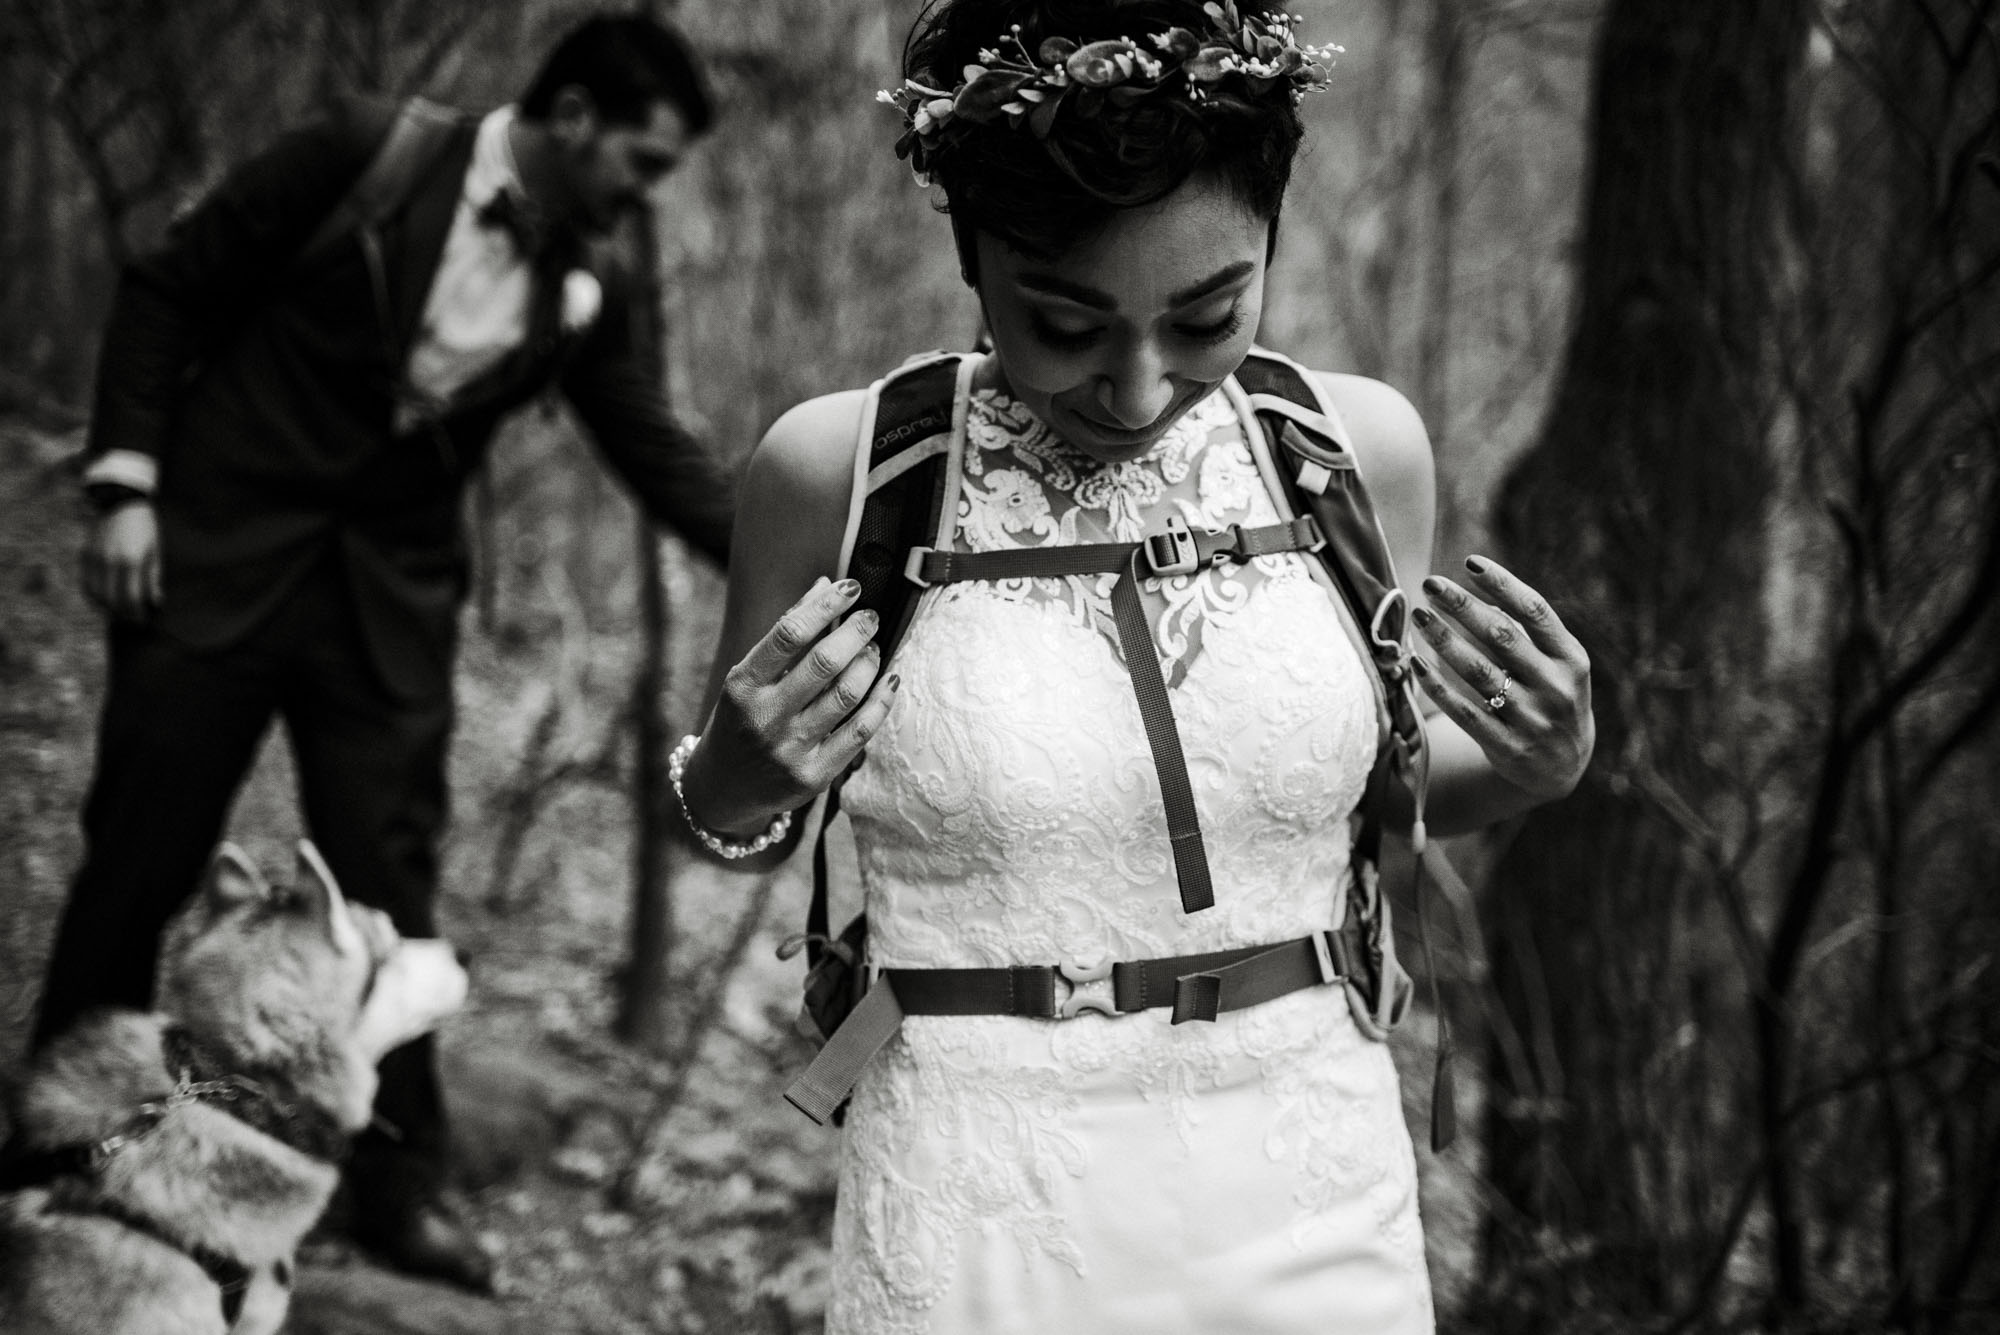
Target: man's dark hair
626	62
1042	196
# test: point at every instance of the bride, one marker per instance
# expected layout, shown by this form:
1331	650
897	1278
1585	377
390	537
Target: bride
1113	173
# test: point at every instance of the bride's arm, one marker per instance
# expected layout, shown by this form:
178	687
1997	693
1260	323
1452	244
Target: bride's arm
792	695
1486	765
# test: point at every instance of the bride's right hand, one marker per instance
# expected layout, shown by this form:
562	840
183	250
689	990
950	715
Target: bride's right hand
794	714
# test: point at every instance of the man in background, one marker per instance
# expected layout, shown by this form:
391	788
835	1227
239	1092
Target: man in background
293	392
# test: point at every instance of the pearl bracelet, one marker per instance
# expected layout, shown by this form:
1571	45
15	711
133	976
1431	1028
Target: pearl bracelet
713	842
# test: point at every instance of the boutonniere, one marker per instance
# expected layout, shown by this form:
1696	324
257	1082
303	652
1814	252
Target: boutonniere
582	299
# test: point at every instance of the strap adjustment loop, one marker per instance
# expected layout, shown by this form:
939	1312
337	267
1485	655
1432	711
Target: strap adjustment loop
1324	946
1385	633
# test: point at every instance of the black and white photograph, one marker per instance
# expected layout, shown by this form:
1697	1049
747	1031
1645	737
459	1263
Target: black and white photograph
996	667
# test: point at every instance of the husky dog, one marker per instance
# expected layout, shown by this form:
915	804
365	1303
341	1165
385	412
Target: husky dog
170	1162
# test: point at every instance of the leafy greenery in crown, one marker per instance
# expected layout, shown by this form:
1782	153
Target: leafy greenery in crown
1029	89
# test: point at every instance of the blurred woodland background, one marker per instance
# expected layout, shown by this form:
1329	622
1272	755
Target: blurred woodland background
1701	301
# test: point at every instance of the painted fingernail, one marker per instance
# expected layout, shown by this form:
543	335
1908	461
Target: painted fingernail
895	680
1422	666
847	588
1435	587
866	619
1424	617
1475	565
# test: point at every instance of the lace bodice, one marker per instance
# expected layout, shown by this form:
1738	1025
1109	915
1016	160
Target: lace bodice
1009	813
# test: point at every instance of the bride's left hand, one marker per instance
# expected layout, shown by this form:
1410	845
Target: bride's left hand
1525	697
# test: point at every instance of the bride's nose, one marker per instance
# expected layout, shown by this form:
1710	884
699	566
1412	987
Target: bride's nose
1136	390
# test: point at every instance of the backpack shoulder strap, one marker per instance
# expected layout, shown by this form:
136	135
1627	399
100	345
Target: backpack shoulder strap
415	138
903	458
1315	455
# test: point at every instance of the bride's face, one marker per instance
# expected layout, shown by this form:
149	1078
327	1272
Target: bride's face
1112	342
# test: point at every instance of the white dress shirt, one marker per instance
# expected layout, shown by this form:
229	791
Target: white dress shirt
478	306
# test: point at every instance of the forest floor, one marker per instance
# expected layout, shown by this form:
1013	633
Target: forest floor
621	1192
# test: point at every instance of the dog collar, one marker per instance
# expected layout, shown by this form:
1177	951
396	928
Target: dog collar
254	1102
262	1099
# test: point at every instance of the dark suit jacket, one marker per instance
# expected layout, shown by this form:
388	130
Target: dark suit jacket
265	388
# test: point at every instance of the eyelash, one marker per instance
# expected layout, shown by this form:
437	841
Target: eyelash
1220	332
1062	338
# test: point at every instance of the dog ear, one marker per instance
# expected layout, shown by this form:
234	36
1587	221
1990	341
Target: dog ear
234	879
321	897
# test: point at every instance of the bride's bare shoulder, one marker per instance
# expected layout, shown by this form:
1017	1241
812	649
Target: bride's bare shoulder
1393	452
809	452
795	493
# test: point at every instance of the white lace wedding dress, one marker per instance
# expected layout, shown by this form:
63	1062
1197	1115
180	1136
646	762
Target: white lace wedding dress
1112	1174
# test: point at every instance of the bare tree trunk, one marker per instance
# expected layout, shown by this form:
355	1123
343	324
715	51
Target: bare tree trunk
1641	512
642	1015
642	1000
1447	46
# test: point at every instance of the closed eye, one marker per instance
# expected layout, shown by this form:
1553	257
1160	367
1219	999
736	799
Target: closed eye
1218	331
1057	337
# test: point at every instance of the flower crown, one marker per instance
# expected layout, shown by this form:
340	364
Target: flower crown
1024	88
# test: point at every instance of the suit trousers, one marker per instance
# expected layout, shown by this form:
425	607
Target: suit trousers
180	729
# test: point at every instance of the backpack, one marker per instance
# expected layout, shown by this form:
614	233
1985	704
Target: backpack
909	424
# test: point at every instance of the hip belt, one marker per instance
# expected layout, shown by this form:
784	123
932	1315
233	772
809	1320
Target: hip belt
1197	987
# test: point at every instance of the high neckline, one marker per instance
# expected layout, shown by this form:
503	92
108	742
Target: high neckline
1175	440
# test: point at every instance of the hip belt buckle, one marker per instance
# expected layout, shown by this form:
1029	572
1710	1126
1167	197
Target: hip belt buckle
1077	1002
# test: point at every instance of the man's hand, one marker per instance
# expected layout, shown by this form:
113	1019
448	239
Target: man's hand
121	561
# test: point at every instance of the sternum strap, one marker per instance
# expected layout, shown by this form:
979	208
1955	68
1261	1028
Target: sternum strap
1135	643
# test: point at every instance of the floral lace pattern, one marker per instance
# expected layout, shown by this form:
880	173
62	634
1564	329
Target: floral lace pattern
1017	473
1009	813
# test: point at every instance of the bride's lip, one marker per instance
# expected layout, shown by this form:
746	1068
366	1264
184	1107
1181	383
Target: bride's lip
1118	435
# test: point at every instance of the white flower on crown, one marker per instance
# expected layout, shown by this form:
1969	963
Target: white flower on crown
582	299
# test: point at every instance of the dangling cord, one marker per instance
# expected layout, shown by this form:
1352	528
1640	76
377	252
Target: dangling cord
1444	1102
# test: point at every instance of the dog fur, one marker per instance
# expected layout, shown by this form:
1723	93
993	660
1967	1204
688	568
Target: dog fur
294	981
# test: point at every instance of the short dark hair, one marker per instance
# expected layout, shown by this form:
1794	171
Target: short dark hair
626	62
1043	196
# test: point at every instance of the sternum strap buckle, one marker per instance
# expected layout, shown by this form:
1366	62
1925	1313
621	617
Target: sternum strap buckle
1173	552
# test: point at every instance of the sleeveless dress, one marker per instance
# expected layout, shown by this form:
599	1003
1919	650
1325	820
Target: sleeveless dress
1113	1174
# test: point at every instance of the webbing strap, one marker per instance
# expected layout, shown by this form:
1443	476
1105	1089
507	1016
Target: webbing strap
1178	551
1163	735
1247	976
823	1086
1198	987
1235	543
818	929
